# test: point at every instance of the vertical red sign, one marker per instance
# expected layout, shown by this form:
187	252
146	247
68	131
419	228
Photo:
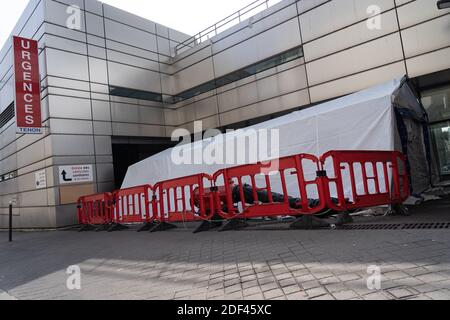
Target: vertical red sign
28	89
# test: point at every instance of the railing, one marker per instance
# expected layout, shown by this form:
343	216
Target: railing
233	19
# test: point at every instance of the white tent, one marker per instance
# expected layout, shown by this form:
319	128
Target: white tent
366	120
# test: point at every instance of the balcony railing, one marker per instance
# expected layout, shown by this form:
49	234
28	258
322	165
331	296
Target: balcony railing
224	24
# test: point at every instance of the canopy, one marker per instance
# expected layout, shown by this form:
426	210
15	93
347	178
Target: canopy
366	120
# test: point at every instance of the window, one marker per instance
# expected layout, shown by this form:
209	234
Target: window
441	137
8	176
239	74
7	115
437	103
135	94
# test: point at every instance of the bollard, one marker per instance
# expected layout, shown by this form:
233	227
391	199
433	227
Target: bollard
10	221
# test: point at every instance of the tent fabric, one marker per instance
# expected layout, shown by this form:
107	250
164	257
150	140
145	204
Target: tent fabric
365	120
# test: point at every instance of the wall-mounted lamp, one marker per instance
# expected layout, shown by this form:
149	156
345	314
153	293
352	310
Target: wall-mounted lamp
443	4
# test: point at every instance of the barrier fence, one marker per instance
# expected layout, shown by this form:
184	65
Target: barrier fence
184	200
306	185
260	201
374	170
133	205
95	209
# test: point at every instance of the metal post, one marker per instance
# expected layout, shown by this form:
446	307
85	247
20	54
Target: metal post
10	221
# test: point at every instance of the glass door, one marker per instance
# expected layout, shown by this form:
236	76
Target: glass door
441	139
437	103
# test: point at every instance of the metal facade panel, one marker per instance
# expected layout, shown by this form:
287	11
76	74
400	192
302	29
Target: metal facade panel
426	37
388	49
335	15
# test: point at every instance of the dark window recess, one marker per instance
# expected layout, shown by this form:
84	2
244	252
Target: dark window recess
239	74
7	115
135	94
125	154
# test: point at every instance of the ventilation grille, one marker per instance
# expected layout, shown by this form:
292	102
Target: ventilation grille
7	115
402	226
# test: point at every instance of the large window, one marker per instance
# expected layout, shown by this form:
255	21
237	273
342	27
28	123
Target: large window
441	137
240	74
135	94
437	103
7	115
213	84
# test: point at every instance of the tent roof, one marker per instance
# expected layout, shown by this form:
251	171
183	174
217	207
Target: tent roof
380	96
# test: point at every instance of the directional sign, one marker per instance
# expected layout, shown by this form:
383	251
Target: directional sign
41	179
75	174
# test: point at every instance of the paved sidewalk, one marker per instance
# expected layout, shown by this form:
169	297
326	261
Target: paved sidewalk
327	264
259	263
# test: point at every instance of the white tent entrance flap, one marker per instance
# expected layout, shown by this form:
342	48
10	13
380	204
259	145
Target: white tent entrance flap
366	120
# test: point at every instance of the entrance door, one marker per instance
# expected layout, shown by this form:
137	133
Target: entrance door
128	151
437	103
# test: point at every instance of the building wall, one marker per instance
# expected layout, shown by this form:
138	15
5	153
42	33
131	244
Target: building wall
341	56
114	48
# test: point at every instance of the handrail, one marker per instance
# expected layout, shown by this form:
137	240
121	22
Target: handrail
213	30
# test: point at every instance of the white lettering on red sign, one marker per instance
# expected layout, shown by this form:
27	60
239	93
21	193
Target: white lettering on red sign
27	85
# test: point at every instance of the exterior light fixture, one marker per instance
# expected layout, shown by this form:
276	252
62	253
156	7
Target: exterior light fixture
443	4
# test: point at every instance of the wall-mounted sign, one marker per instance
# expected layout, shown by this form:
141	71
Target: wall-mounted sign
41	179
27	85
76	174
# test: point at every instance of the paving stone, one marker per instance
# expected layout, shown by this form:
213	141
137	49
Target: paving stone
336	287
345	295
291	289
377	296
297	296
269	286
310	284
401	293
348	277
255	297
275	293
288	282
324	297
394	275
425	288
439	295
250	284
251	291
315	292
432	277
305	278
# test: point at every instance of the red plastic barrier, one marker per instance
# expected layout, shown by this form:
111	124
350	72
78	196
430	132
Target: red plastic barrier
374	170
236	196
339	180
133	205
176	199
95	209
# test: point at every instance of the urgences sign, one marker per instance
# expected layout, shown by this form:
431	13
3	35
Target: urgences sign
27	83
